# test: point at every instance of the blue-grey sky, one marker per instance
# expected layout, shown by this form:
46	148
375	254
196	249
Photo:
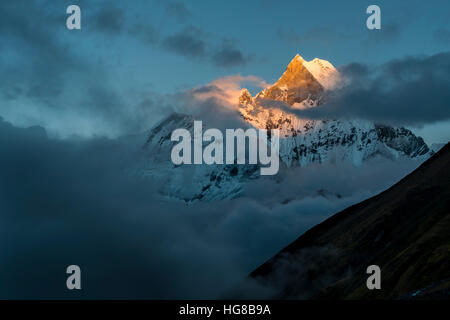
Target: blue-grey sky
65	201
267	34
129	52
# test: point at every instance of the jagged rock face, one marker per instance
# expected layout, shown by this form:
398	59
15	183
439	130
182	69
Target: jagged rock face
303	81
402	139
245	98
295	85
160	134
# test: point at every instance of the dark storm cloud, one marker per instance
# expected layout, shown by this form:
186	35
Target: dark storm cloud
178	11
355	70
410	91
72	204
66	202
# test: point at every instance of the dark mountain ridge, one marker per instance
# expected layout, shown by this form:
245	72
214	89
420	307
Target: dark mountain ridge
404	230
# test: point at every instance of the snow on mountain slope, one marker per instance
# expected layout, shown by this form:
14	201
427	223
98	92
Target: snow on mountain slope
324	72
190	183
307	141
303	82
302	142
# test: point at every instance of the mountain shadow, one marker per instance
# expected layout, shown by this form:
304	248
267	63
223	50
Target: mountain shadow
404	230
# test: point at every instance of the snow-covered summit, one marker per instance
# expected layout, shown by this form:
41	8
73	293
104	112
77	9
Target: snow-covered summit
324	72
302	141
303	81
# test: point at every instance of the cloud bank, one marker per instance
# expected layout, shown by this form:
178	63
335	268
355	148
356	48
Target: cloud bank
73	201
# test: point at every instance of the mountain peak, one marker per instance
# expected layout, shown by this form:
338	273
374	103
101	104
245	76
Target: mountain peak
297	58
321	70
301	81
295	85
245	97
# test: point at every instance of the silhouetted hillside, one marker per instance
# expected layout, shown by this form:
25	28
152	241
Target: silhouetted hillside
404	230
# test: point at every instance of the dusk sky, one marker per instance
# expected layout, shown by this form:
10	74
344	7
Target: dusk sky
128	53
88	176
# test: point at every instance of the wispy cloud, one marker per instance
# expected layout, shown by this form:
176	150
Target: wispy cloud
178	11
187	42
